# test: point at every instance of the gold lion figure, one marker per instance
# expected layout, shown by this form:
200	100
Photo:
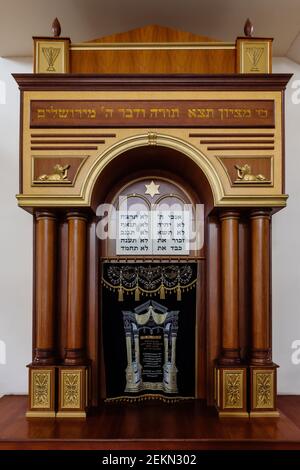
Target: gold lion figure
60	173
244	174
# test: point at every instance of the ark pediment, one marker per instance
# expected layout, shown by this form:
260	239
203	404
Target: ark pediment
153	34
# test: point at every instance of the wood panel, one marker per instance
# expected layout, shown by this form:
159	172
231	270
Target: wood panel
153	61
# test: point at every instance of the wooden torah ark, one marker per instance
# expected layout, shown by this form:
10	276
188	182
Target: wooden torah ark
153	103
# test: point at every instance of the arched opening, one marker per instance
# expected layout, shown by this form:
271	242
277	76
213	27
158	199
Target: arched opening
187	164
128	173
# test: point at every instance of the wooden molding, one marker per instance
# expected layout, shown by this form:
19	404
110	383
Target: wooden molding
243	82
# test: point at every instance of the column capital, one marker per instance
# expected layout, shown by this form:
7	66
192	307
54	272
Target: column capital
77	215
229	214
260	214
45	215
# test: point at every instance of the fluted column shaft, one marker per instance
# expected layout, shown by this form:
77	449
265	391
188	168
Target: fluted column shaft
45	265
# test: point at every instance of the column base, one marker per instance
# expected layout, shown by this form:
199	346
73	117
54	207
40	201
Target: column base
261	357
71	414
264	414
233	414
75	357
40	414
230	357
263	391
231	391
73	391
41	399
43	357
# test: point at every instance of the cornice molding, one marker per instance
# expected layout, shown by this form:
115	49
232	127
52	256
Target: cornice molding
237	82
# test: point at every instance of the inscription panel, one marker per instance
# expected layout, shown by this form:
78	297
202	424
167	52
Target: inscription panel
145	113
153	232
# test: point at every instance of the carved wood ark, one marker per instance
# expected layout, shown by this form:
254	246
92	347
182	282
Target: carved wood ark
185	117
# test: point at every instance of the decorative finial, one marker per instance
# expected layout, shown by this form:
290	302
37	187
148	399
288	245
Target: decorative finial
56	28
248	28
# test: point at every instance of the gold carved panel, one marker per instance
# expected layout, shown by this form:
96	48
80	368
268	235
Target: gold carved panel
71	385
233	388
40	388
49	170
250	170
263	386
51	56
254	55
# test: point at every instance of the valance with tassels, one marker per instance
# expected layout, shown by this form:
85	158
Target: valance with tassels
144	280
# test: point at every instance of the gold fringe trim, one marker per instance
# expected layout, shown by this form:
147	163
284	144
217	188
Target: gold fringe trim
161	289
162	292
137	294
120	294
148	397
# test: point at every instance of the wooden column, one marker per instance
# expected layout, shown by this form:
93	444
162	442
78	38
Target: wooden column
260	264
75	344
230	374
263	372
230	354
45	265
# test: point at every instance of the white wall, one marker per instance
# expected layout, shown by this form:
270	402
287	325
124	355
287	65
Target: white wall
286	247
16	246
15	241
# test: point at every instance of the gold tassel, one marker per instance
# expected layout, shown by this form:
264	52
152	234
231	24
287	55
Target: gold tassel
162	292
120	295
178	294
137	294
